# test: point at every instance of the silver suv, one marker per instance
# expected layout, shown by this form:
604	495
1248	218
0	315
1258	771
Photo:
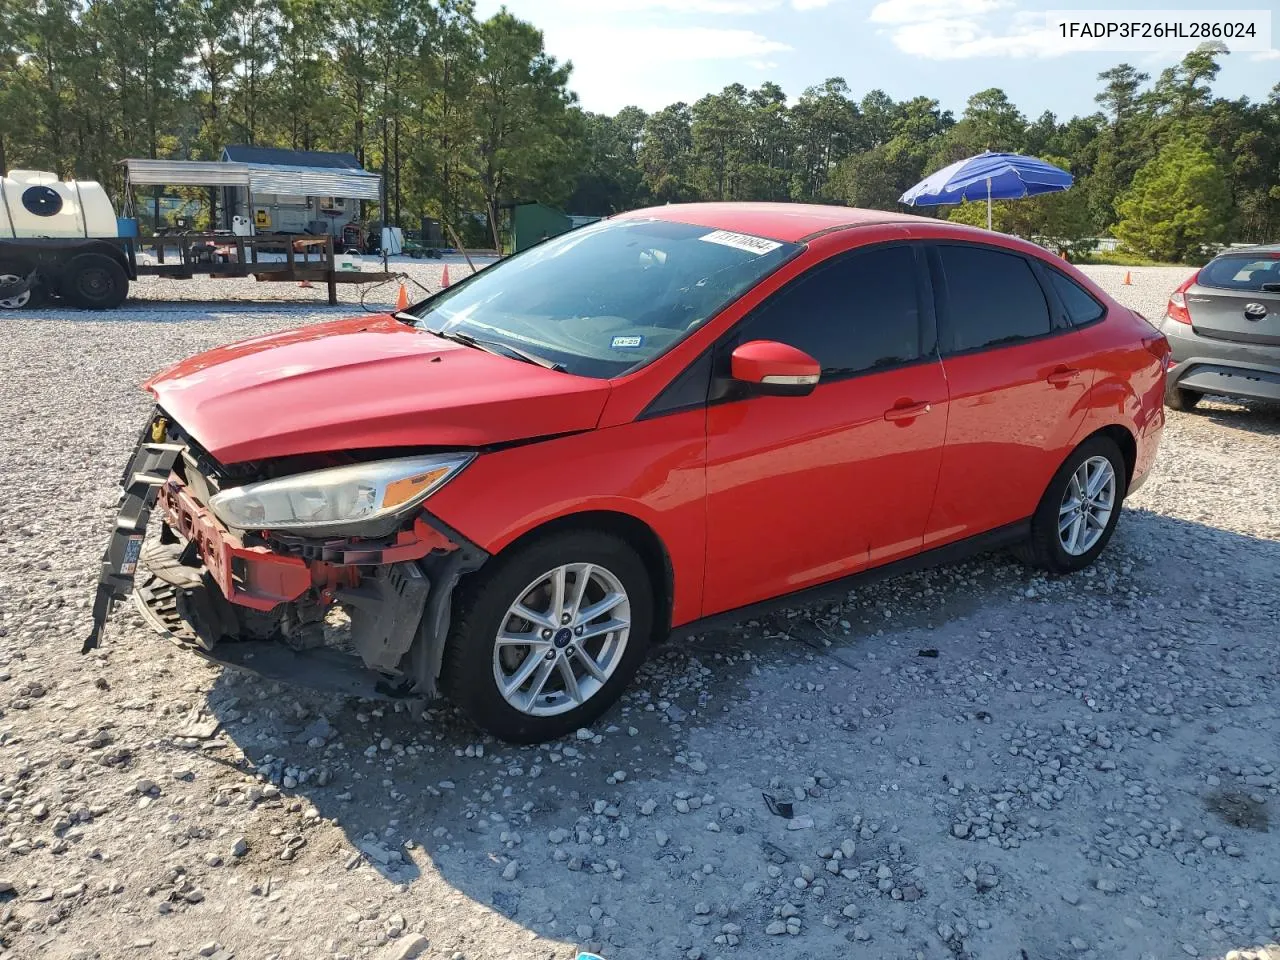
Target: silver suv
1223	325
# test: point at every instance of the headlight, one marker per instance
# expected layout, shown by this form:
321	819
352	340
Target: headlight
324	500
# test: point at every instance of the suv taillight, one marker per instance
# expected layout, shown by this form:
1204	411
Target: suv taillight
1177	308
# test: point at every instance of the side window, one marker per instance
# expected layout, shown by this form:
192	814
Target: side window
992	297
1079	303
856	313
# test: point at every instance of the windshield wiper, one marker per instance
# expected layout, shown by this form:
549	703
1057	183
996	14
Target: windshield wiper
527	357
498	349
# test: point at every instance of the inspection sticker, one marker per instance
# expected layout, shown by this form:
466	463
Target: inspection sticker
626	343
742	241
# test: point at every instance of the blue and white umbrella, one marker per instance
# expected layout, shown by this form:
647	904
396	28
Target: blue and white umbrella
995	176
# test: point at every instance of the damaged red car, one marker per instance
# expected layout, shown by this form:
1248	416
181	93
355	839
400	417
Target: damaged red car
514	488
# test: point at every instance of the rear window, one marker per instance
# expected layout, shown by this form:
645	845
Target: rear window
1240	272
993	298
1079	303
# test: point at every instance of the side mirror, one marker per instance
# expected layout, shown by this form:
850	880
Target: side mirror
774	369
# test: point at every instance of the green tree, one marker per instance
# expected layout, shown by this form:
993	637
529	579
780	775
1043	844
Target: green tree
1178	204
253	46
720	142
664	154
355	40
1120	95
442	158
521	106
302	117
609	180
826	126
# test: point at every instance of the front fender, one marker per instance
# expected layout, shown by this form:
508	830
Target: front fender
653	471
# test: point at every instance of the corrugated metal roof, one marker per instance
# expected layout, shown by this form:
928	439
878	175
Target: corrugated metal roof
241	153
194	173
258	177
313	181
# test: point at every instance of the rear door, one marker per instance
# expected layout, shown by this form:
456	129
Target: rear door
1017	371
1237	297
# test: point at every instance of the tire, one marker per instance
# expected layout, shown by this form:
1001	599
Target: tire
94	281
1182	400
469	675
9	271
1044	549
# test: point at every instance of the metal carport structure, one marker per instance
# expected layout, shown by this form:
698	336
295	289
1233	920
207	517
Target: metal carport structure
255	177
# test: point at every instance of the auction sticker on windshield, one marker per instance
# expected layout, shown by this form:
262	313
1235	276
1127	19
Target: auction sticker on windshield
742	241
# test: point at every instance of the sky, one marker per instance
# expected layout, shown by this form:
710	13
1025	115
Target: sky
655	52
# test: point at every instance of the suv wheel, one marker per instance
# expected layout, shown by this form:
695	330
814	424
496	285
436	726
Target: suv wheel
547	639
1182	400
1079	510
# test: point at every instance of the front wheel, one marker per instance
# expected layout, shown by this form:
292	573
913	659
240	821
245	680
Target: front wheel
1079	510
545	640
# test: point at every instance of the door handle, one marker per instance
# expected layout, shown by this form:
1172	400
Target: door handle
1061	376
907	412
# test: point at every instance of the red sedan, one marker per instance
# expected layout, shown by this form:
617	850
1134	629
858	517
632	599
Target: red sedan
516	487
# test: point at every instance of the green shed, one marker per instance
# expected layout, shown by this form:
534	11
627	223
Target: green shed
533	222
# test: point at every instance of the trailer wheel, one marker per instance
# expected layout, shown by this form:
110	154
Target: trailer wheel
11	272
94	281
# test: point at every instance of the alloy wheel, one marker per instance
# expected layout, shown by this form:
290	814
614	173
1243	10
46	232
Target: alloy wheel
562	639
1087	505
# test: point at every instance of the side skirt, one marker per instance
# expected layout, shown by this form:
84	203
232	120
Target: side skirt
996	539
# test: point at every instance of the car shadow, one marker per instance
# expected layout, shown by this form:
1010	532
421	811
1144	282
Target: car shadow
1251	416
513	828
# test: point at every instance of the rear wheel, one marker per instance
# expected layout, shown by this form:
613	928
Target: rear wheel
1182	400
1079	511
548	638
94	281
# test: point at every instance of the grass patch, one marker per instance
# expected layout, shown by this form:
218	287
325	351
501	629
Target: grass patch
1115	258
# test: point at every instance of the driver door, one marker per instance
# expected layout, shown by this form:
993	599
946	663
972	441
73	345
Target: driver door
803	490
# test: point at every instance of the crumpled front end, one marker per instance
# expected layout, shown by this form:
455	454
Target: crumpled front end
265	600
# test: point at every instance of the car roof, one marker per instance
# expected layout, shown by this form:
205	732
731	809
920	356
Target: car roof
1267	248
788	222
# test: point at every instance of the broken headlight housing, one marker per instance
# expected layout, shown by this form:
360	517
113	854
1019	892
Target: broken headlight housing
359	499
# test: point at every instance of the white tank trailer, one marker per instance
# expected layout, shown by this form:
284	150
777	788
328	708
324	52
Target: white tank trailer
60	238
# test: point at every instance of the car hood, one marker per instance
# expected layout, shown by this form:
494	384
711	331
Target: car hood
366	383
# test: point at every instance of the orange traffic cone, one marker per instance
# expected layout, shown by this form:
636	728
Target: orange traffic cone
444	278
1128	280
402	299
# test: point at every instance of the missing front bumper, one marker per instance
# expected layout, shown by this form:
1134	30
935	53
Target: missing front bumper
323	669
207	584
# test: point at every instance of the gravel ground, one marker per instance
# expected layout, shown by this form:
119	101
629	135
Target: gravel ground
980	762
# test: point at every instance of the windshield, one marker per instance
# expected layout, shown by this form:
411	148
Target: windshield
608	297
